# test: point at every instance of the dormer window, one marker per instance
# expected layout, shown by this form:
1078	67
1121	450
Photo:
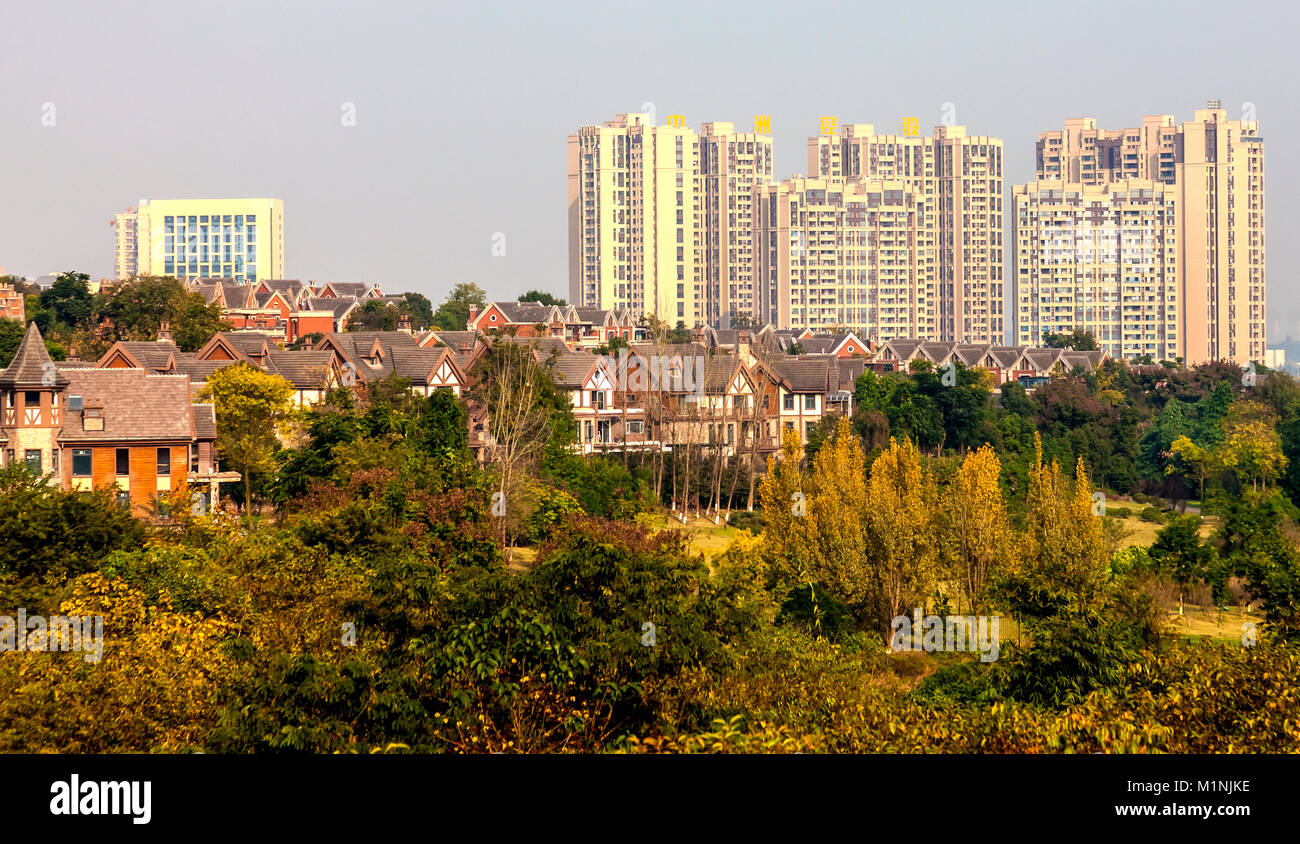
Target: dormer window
75	403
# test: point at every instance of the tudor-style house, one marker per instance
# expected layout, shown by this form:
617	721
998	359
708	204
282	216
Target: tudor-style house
127	429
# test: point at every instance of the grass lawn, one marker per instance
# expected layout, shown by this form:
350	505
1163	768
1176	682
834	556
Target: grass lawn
1144	532
1204	622
705	537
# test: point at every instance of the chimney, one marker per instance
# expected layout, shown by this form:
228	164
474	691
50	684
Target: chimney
164	331
473	315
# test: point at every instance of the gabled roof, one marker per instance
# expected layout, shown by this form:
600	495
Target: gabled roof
355	289
971	355
452	339
304	369
242	344
806	374
937	352
420	365
899	349
135	404
1042	360
336	306
157	355
236	294
1006	357
573	369
527	313
198	370
31	366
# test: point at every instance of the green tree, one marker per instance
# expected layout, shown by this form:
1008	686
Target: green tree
542	298
252	408
1078	339
1179	553
374	315
420	309
453	314
68	299
45	530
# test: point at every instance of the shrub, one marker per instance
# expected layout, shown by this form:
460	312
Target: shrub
1152	514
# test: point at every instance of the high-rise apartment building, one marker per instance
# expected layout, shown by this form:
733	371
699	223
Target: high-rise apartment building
958	178
732	165
241	239
634	219
1216	166
1105	258
843	254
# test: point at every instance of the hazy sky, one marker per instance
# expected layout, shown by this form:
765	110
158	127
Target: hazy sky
462	110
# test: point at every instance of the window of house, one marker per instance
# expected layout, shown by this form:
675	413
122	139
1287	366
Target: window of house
81	463
32	457
635	426
122	461
787	401
123	499
164	461
810	402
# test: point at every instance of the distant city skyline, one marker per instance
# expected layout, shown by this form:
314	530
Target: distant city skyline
420	147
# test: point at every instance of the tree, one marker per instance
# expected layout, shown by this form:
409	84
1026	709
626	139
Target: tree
420	310
453	314
526	413
541	298
252	408
783	497
374	315
194	322
11	335
48	530
1065	564
837	518
900	530
68	299
1193	461
1179	553
976	536
1251	445
1078	339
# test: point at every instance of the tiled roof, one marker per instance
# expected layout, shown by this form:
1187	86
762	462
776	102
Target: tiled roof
198	370
205	421
136	405
150	354
571	369
417	364
349	288
525	312
806	374
31	366
338	307
305	370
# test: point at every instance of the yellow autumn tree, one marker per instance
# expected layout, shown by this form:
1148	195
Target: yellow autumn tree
976	539
900	543
1064	551
155	686
782	494
836	520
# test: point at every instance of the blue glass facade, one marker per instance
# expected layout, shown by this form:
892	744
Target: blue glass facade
210	246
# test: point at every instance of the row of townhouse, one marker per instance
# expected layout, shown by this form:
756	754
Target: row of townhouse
734	391
580	328
288	309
